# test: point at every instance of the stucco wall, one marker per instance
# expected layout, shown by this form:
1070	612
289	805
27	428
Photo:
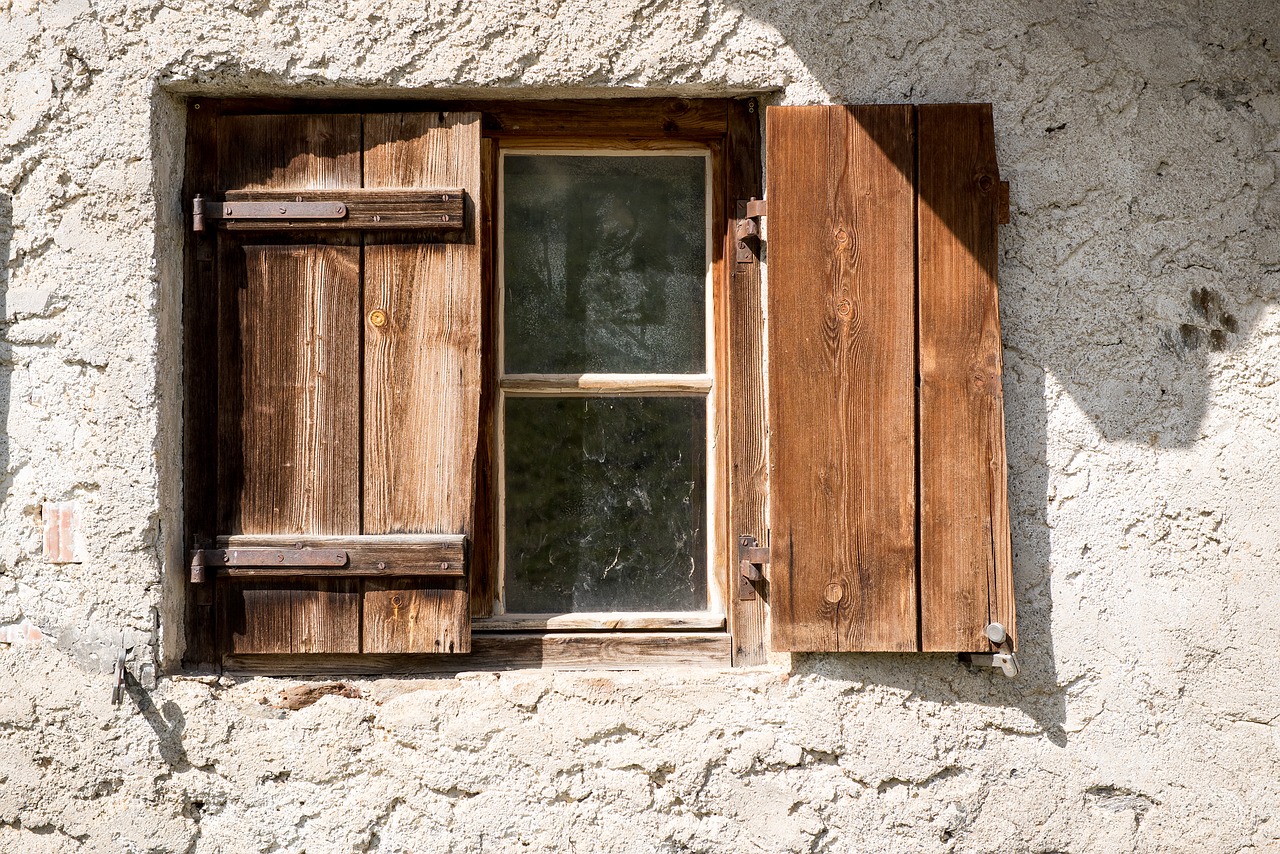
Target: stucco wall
1139	277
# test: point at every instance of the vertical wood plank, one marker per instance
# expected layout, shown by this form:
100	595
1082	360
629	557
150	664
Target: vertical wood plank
483	570
841	377
422	375
299	423
288	381
410	616
256	616
422	366
326	616
965	553
200	386
746	414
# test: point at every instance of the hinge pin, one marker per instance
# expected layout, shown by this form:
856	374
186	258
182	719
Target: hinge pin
1005	659
746	227
751	560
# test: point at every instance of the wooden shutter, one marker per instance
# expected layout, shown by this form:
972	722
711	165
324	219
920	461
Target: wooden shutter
889	515
348	386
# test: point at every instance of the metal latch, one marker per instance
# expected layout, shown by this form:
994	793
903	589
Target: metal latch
263	558
751	560
746	227
1006	660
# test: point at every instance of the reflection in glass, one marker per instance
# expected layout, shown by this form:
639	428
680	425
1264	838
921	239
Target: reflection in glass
604	263
605	504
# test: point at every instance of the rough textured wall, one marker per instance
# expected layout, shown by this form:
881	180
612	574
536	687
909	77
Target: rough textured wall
1139	278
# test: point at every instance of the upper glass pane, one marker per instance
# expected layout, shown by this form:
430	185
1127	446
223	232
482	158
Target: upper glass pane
604	263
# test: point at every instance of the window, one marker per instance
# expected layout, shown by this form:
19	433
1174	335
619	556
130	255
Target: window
482	384
607	380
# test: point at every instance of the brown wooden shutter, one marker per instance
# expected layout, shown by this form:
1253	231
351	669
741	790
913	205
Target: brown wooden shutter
889	515
348	387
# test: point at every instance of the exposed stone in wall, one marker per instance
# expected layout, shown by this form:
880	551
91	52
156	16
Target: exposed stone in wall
1139	277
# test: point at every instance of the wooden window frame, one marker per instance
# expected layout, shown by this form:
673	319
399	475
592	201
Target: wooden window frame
703	385
730	130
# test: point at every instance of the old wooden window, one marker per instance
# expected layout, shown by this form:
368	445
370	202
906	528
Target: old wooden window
489	384
606	387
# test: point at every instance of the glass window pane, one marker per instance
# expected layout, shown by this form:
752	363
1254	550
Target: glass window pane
605	504
604	264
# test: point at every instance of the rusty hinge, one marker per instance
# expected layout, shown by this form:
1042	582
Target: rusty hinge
751	560
202	211
746	228
355	209
263	558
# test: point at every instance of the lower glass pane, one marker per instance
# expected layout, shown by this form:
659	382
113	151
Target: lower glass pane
605	504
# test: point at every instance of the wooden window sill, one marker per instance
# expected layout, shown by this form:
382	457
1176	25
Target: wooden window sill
511	651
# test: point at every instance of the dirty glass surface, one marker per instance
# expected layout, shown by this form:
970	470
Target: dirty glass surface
605	504
604	264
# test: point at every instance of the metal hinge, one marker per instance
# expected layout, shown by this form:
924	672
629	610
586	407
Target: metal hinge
746	228
264	558
202	211
752	558
358	209
1005	659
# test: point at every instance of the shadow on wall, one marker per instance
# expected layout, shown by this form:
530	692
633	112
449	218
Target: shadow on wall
1132	264
1140	222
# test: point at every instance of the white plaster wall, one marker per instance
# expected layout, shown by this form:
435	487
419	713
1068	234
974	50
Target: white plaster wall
1139	281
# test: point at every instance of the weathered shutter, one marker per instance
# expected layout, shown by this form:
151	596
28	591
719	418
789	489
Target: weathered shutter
889	516
348	386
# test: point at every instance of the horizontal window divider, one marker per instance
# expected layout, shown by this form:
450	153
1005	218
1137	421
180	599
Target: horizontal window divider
605	384
613	621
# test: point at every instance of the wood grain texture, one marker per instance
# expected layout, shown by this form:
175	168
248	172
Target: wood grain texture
288	435
604	651
965	553
694	118
483	571
410	615
841	376
422	367
626	117
745	411
299	152
298	431
278	616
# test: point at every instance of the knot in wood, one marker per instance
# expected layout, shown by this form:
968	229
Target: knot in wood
834	592
845	308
